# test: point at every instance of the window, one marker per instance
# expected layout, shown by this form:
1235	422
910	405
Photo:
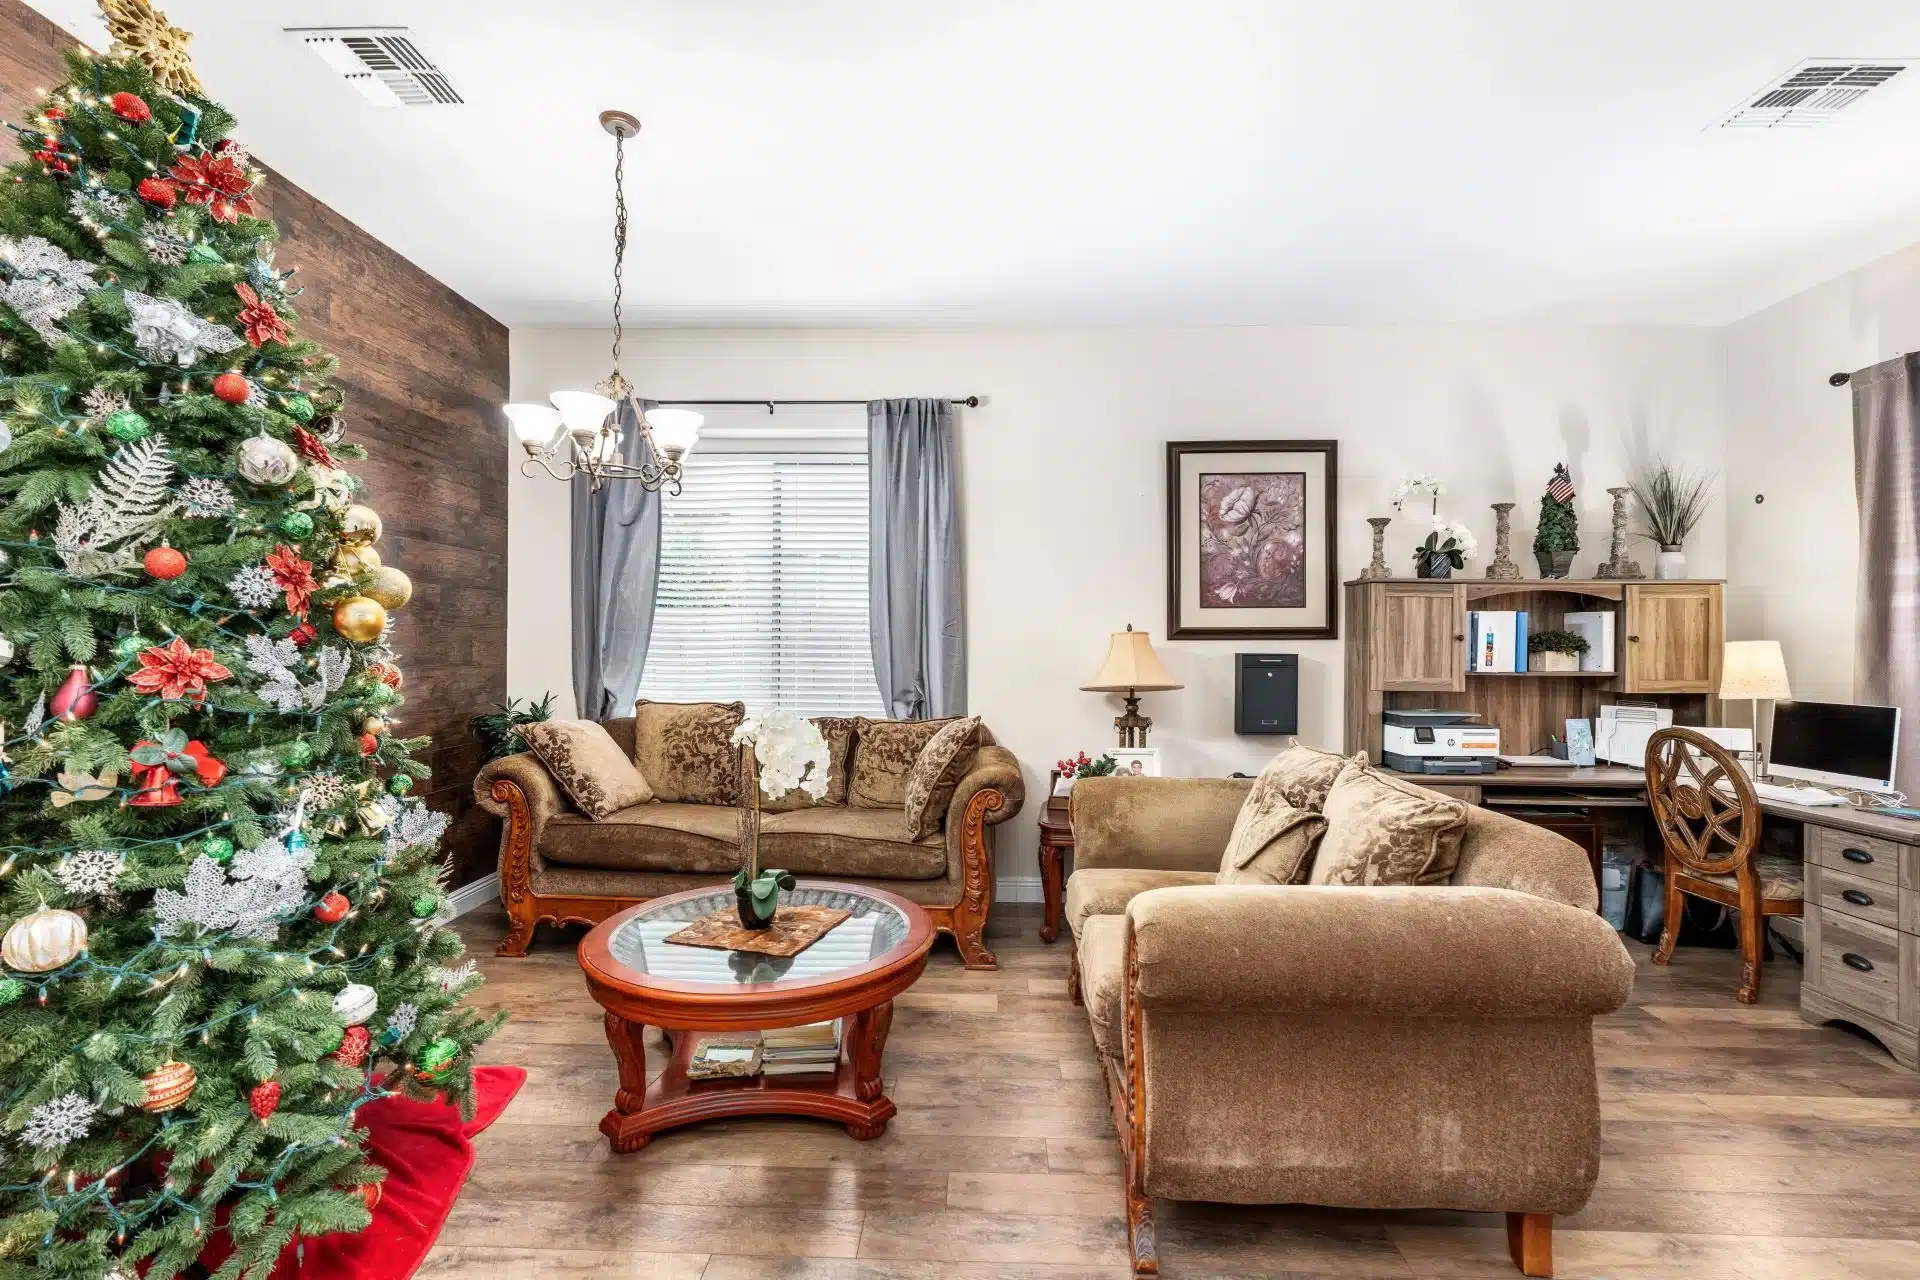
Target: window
763	586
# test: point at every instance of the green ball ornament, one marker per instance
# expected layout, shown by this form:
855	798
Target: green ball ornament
297	754
11	989
128	426
204	253
379	694
424	906
297	407
219	848
437	1059
399	784
296	524
127	648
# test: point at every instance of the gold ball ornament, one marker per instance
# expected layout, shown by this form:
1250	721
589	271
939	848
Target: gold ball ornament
360	525
359	619
43	940
389	586
375	726
168	1085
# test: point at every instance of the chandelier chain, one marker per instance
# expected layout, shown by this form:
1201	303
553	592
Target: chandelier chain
619	243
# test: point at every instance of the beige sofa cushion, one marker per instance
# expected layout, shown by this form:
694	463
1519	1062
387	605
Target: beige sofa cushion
838	731
936	772
685	750
1301	776
1103	980
884	752
840	840
588	764
1273	847
1106	891
693	838
1384	831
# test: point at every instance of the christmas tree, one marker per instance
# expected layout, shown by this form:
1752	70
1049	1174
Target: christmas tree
218	899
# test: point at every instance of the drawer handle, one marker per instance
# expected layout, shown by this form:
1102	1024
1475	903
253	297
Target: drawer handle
1858	897
1854	960
1856	855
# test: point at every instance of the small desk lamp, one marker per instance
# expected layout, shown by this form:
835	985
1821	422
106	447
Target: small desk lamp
1754	669
1131	668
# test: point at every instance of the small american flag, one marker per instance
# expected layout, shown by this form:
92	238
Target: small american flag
1560	488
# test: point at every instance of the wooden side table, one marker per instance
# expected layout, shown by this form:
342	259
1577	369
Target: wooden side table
1056	839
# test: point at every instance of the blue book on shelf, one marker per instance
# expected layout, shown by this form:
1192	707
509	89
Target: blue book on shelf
1520	641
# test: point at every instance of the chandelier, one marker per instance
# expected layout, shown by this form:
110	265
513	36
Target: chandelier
591	445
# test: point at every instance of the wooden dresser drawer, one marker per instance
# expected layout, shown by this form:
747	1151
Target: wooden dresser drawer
1859	964
1856	855
1874	901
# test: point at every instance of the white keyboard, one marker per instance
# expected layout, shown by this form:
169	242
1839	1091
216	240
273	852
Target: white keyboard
1811	797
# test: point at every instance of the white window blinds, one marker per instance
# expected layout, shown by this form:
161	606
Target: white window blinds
763	586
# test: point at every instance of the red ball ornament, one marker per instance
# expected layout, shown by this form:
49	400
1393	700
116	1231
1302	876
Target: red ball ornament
53	113
353	1050
264	1099
232	388
130	107
157	192
165	562
370	1192
368	744
331	909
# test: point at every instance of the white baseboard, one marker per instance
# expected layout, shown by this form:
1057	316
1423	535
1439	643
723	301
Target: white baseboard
468	896
1018	889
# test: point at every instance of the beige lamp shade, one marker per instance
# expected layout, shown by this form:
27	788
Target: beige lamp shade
1131	666
1754	669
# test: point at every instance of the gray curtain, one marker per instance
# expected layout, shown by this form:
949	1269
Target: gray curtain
616	570
1886	481
915	578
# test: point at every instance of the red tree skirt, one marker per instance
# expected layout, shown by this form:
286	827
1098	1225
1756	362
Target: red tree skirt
427	1151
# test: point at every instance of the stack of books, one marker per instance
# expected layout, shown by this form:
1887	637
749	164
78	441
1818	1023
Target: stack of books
793	1051
1497	640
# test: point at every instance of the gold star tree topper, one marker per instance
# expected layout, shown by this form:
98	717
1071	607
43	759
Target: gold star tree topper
141	31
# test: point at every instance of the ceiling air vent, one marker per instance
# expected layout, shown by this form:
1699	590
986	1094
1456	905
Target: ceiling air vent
1812	93
383	63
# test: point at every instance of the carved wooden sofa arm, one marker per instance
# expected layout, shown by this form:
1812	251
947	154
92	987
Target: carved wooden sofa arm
990	793
519	789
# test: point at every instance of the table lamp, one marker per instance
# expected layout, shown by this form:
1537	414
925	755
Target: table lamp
1754	669
1131	668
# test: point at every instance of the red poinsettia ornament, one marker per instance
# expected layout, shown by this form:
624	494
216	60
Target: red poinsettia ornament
302	635
311	445
157	192
158	767
261	323
177	670
295	577
216	182
130	107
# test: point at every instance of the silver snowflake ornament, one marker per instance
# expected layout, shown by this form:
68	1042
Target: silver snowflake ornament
256	395
58	1121
167	248
42	283
403	1019
324	790
206	498
254	587
165	330
90	873
102	403
92	205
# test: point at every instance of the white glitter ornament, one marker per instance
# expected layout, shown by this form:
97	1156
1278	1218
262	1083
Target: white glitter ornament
325	790
250	899
448	979
91	873
57	1122
355	1003
166	330
277	660
42	283
265	460
124	508
6	651
44	940
416	825
254	587
206	498
403	1019
92	204
102	403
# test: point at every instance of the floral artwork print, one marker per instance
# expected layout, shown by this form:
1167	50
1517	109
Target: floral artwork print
1253	540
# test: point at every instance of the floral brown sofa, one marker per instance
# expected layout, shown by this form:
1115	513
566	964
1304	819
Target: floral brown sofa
558	865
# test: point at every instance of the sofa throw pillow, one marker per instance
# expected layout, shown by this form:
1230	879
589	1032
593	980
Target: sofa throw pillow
883	755
588	764
685	750
1384	831
838	731
1302	775
1272	842
936	772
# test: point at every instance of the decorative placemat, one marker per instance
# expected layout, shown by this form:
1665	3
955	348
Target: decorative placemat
794	929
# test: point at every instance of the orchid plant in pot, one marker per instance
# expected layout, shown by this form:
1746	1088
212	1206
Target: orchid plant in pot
1450	545
785	751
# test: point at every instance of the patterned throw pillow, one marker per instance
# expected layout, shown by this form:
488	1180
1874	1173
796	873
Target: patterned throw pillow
588	764
1301	775
1384	831
884	752
838	731
938	770
686	752
1273	840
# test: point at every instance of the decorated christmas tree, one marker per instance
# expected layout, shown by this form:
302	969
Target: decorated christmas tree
219	901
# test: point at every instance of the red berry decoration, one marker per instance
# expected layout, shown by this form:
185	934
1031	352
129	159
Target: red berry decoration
232	388
331	909
53	113
264	1099
131	107
157	192
165	562
354	1046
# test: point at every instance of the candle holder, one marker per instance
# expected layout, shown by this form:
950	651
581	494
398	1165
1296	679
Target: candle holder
1617	565
1378	570
1503	566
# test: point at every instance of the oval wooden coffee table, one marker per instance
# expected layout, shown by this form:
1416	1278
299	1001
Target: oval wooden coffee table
642	980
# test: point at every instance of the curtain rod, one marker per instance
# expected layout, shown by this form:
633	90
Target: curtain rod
970	402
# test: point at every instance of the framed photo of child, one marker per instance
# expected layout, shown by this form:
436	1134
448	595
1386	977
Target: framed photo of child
1136	762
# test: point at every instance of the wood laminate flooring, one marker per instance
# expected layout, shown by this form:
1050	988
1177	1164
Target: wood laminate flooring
1740	1144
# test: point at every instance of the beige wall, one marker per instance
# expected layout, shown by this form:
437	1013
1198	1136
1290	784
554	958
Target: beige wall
1063	484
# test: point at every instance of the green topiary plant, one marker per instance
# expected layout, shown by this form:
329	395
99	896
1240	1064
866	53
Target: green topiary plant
1558	535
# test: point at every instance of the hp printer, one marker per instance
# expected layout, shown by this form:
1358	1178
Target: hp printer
1436	741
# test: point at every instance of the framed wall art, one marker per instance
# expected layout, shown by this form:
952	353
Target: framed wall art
1250	540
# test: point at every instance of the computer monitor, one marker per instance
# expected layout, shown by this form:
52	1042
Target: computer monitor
1835	743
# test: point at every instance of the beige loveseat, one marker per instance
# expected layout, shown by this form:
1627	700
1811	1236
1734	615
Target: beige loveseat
1365	1047
559	866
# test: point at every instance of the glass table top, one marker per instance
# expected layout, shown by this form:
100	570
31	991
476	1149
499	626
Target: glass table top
640	942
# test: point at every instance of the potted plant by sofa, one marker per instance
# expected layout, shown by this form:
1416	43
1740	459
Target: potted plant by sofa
1558	536
1672	501
788	751
1555	651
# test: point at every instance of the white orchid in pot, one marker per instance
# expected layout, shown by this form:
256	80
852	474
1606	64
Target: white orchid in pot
1450	545
787	751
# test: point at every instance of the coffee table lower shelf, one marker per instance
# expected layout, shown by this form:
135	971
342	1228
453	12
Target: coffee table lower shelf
853	1095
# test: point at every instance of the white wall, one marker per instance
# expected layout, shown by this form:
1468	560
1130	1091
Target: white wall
1793	559
1063	481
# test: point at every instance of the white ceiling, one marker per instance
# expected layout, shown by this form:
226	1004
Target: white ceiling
1094	161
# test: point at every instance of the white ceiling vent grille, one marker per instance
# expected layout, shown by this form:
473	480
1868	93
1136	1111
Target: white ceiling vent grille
383	63
1812	93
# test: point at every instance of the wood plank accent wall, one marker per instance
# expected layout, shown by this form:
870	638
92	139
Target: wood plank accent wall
424	371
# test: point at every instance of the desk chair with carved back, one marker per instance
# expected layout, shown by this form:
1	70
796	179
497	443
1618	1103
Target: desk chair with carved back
1709	822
